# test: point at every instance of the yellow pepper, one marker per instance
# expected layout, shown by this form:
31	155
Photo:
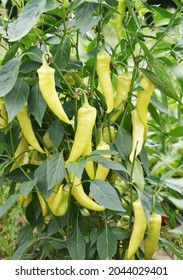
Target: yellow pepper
26	126
47	88
103	72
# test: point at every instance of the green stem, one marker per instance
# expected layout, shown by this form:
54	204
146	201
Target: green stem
63	78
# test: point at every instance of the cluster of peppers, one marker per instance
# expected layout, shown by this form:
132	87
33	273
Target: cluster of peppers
58	201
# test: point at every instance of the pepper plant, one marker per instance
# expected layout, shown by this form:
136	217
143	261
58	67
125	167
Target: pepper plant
90	104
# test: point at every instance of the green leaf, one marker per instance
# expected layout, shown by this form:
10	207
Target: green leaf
147	52
165	78
86	18
8	204
77	168
154	114
108	163
120	233
161	79
178	230
105	195
50	173
138	174
17	97
26	21
27	187
22	249
8	75
177	202
145	204
56	133
106	244
62	53
160	106
11	53
176	132
36	104
123	142
172	247
76	244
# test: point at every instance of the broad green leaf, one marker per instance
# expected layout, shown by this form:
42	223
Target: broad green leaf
86	18
77	168
177	202
154	114
36	104
108	163
11	53
94	233
165	78
178	230
27	187
62	53
58	244
76	244
26	21
8	75
147	52
160	106
8	204
137	175
105	195
120	233
17	97
50	173
56	133
106	244
161	79
123	142
22	249
145	161
50	5
176	132
19	175
145	204
34	53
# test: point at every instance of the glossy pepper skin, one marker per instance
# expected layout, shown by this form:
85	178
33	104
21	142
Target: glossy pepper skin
153	233
139	228
89	166
103	72
3	115
119	18
20	153
86	117
123	88
48	90
26	126
42	203
102	172
81	197
137	135
143	99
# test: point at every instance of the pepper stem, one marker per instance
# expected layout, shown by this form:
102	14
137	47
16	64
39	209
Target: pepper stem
45	58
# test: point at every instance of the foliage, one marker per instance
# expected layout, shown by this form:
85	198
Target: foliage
73	33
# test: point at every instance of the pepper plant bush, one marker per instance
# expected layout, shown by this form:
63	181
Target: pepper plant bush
72	213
